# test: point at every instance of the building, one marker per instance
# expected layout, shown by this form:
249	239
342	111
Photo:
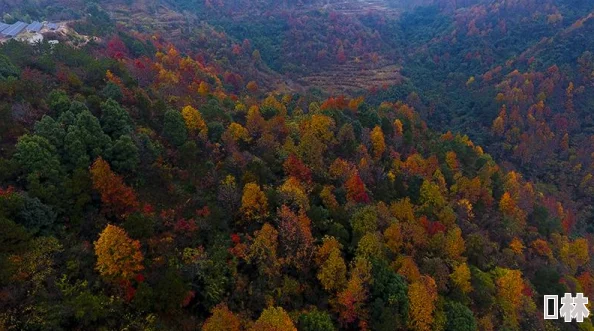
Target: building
3	26
52	26
14	29
34	27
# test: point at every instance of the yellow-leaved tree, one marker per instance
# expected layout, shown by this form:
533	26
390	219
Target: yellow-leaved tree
254	204
194	121
378	142
235	133
461	278
422	296
509	294
454	244
274	319
332	268
203	89
118	256
263	252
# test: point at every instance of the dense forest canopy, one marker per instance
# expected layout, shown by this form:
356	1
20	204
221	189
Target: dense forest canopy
296	165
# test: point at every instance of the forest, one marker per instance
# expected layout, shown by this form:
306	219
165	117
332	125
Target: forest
191	166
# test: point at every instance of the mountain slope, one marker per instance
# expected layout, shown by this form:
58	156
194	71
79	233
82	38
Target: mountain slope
140	192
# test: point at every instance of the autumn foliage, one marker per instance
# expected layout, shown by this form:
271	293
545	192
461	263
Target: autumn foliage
222	319
194	121
118	256
423	296
117	198
274	319
176	183
254	204
356	189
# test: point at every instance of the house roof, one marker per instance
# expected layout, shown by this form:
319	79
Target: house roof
14	29
34	26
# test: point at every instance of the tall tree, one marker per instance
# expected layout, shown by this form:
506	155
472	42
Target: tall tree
316	321
509	288
332	268
254	204
222	319
118	256
263	252
115	120
378	142
124	154
194	122
356	191
117	198
422	296
274	319
35	155
174	128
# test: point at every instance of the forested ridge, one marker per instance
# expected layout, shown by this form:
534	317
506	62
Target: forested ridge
155	182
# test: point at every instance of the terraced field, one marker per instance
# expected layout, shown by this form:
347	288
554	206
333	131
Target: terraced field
352	77
350	7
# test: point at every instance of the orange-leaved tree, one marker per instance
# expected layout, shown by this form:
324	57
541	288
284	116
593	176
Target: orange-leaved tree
356	189
222	319
117	198
296	240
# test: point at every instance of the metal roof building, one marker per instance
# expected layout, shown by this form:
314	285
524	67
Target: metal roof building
3	26
52	26
34	27
14	29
